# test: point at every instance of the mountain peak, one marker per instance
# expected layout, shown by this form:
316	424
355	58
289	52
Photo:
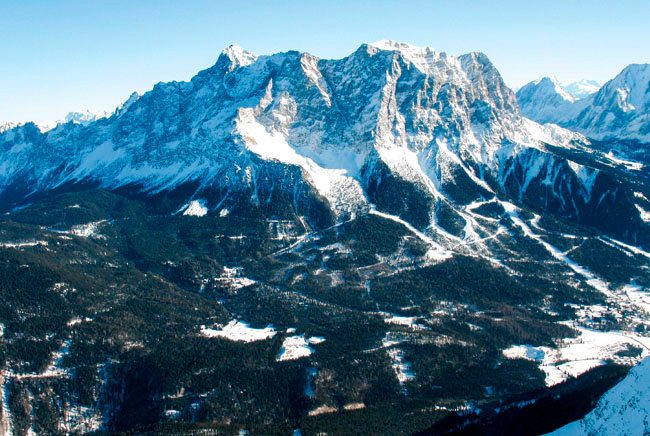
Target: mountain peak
581	88
552	84
7	126
570	91
86	116
237	56
122	108
304	106
544	99
630	88
637	68
389	44
407	50
618	109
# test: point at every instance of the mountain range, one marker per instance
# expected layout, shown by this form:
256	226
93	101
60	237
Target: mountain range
83	117
618	110
237	125
287	243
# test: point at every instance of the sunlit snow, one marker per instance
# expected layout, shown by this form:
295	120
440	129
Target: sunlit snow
321	410
239	331
575	356
644	214
87	230
196	208
296	347
638	296
623	410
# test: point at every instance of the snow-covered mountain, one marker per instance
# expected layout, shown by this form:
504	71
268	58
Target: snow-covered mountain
85	117
301	107
330	132
7	126
623	410
422	243
542	100
582	88
547	100
620	109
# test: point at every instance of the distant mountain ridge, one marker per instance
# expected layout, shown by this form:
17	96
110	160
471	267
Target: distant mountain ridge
619	109
582	88
82	117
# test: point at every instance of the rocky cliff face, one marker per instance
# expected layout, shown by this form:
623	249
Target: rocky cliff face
335	133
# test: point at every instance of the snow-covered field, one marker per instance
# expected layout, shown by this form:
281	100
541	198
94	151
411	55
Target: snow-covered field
638	297
232	277
578	355
407	321
295	347
239	331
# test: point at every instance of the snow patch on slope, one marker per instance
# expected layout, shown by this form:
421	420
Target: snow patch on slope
23	244
6	424
645	215
343	192
401	366
88	230
195	208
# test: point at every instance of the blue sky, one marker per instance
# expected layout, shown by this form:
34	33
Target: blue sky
63	55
